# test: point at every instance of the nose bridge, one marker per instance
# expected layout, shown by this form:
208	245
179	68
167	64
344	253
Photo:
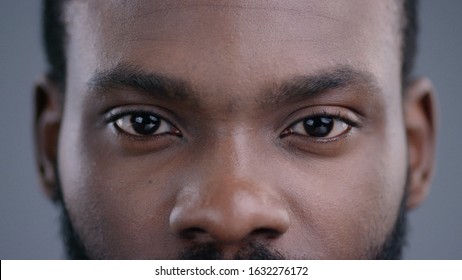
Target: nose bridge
227	202
234	149
233	152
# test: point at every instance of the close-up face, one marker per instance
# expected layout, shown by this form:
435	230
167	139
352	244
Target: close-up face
235	129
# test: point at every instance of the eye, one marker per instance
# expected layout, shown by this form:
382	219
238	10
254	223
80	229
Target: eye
324	127
144	124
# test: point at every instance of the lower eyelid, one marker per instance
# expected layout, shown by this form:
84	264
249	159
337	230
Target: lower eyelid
329	139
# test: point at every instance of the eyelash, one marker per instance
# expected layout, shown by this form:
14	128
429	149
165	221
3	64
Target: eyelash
336	116
113	118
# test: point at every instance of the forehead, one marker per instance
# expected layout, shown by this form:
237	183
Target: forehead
235	40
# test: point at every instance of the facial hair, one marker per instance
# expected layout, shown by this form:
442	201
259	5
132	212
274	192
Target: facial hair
391	248
209	251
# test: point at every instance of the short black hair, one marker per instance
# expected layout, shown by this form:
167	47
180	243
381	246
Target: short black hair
54	40
55	36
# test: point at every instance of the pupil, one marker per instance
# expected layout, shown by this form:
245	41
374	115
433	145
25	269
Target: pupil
144	123
318	126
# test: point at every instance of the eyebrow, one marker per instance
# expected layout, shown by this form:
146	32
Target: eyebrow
301	87
293	89
154	84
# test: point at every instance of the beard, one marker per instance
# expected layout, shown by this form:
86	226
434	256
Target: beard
390	250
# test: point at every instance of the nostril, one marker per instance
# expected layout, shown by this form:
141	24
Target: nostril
192	233
267	233
230	216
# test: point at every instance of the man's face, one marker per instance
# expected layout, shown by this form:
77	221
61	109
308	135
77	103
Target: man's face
233	124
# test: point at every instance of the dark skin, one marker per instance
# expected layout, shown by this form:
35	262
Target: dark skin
229	158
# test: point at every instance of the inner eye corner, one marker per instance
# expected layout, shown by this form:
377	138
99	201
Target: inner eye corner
286	132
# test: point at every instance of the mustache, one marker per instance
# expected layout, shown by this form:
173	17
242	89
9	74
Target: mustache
210	251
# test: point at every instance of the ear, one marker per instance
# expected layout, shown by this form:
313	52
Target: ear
420	121
47	119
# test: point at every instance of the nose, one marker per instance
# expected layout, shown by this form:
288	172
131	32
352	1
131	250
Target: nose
229	210
229	196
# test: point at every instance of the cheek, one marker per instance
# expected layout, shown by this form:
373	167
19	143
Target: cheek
119	205
347	206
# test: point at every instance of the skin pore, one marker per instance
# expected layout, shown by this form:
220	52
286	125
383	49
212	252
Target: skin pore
235	129
391	249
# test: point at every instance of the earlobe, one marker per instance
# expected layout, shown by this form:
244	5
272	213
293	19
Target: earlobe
420	121
47	119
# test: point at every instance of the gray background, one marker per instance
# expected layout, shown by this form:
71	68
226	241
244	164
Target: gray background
29	224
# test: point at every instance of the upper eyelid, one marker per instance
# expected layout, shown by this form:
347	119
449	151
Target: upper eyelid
353	116
336	116
137	136
112	116
155	109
